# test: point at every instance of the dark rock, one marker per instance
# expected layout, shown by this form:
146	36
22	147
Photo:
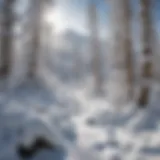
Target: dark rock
25	152
39	144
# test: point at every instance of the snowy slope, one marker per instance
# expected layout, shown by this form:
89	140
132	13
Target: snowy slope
84	127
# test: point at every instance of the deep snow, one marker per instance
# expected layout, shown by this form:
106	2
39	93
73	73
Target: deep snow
84	127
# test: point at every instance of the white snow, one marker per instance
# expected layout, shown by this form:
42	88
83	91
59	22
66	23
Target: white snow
86	127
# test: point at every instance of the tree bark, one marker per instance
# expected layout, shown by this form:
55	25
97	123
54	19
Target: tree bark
35	17
6	36
146	37
38	7
95	50
121	73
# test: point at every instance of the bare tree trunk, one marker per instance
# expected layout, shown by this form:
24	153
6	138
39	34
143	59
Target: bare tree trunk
156	57
129	49
121	74
95	50
35	31
146	36
6	33
37	12
35	51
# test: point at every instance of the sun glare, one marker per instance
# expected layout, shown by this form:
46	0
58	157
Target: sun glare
56	18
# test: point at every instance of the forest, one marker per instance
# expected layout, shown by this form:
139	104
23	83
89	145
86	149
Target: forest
79	79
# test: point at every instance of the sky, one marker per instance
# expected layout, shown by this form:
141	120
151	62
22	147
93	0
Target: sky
73	14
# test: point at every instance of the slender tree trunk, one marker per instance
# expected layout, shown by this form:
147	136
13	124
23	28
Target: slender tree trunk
156	57
129	49
121	74
35	51
6	36
35	31
146	36
95	50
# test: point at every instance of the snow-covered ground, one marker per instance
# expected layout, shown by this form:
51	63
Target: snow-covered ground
84	127
65	109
